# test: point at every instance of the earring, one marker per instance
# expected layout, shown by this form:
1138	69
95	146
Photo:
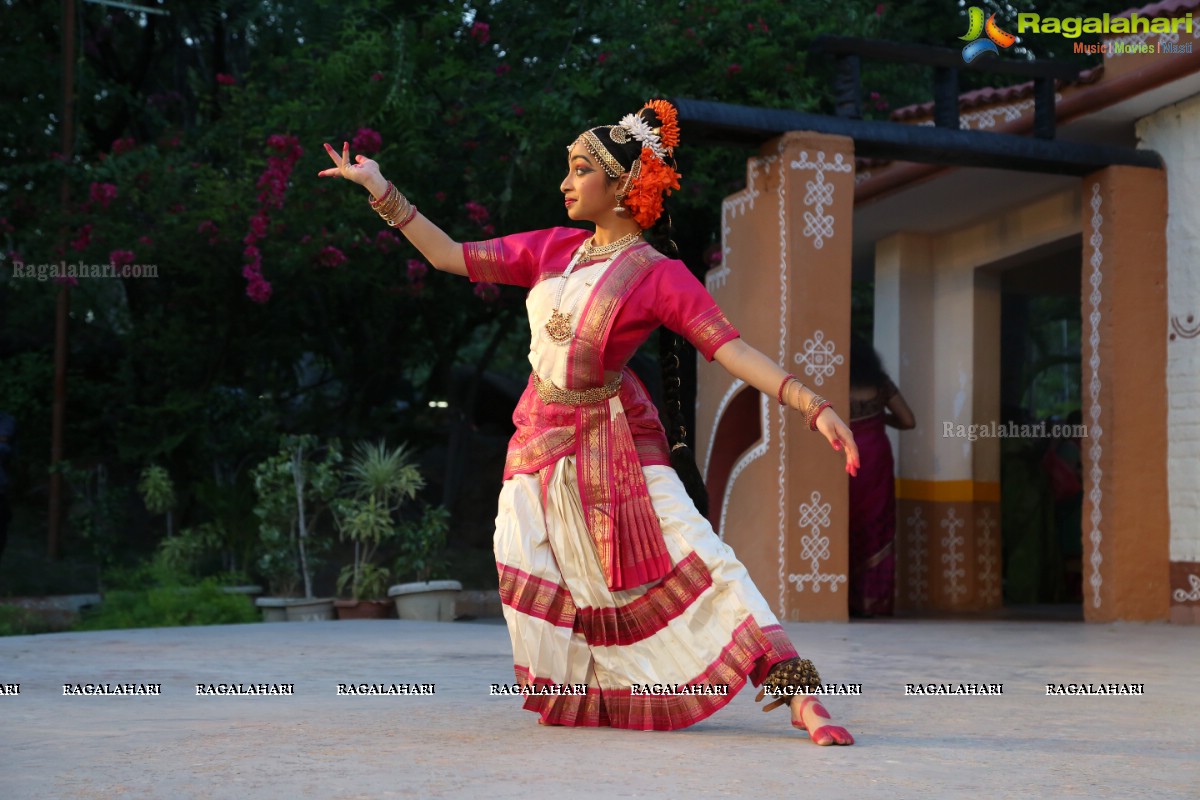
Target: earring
619	209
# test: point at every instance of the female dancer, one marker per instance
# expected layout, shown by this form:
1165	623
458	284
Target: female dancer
610	577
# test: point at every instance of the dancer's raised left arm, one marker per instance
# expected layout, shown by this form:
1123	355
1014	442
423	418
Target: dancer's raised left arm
752	366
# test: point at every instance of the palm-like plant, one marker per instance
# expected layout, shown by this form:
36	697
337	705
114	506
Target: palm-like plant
379	480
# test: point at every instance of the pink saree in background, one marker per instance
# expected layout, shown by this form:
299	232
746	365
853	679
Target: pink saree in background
574	615
872	520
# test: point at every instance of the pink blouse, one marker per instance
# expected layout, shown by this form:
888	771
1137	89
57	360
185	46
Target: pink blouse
670	296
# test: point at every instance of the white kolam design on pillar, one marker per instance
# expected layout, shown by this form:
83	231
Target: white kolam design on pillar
814	515
1094	431
1189	597
781	410
952	558
818	194
751	455
989	575
918	584
733	206
726	399
819	358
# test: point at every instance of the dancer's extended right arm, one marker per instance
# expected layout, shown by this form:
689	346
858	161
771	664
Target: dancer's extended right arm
439	249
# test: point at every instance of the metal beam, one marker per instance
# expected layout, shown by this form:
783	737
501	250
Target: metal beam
901	53
727	123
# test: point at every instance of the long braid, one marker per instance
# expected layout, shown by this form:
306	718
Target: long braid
670	348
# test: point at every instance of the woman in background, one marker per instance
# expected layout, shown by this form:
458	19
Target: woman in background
875	403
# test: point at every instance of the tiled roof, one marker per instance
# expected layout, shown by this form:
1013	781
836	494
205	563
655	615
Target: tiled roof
991	96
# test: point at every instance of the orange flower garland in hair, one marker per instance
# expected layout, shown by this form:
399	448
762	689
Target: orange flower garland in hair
644	199
668	118
656	179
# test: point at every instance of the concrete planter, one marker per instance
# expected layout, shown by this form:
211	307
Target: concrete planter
363	609
295	609
432	601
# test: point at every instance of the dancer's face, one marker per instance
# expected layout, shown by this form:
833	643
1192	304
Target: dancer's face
587	191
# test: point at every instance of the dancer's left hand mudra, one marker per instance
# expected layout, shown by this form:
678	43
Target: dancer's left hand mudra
830	425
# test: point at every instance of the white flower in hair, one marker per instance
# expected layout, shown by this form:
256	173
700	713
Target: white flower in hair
640	130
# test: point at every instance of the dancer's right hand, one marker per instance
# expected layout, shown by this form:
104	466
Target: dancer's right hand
360	169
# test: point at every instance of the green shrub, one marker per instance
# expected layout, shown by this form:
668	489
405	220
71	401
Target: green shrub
168	606
17	621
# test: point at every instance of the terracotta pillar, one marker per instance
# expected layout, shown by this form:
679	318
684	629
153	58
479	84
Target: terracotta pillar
783	491
1126	525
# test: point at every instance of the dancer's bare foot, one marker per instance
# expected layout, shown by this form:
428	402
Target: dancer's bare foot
808	714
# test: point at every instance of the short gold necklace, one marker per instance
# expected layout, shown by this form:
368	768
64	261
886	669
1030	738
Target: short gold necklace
559	327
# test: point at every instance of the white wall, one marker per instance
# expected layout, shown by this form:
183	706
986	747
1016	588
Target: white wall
1174	132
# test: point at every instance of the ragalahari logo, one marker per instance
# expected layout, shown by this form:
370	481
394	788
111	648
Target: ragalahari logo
976	28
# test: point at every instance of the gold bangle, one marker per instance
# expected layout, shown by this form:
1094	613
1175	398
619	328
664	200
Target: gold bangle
811	410
387	195
412	213
395	209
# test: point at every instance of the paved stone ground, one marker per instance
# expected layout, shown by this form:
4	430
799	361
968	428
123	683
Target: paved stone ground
463	743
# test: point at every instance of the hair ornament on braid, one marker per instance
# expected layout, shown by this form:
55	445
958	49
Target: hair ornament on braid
639	129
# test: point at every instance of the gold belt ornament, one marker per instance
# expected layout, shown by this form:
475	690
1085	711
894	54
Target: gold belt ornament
575	397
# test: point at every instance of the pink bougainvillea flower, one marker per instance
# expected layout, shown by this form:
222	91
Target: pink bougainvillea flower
69	280
121	258
366	141
417	270
377	76
477	212
258	289
734	69
386	241
481	32
600	59
272	185
124	145
209	229
81	242
225	79
331	256
503	69
487	292
439	196
102	193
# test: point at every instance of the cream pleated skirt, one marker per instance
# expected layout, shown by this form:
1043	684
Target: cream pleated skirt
642	653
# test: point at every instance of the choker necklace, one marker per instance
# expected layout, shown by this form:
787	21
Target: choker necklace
589	251
559	327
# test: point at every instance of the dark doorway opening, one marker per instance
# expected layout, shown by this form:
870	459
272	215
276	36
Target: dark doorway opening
1040	474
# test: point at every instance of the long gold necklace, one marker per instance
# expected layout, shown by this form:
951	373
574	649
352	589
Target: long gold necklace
559	327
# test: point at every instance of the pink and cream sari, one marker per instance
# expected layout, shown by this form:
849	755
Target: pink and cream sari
608	574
